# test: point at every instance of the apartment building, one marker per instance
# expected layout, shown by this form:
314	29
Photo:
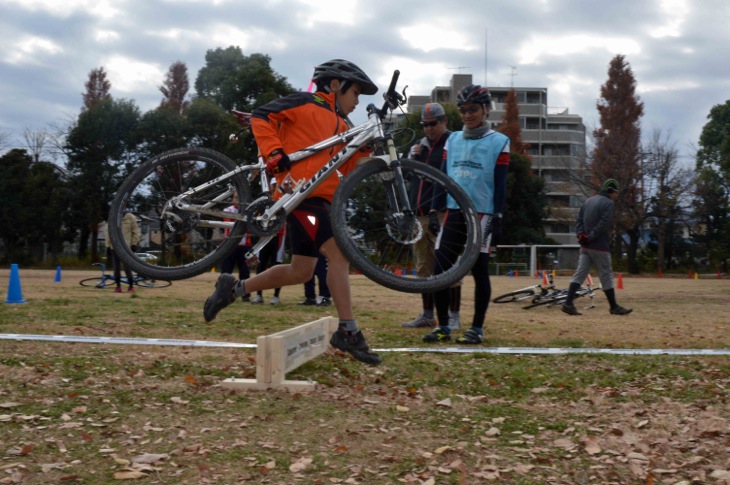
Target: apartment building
557	144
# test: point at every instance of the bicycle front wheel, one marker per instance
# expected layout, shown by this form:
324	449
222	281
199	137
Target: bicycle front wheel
95	282
549	300
518	295
379	237
180	240
150	283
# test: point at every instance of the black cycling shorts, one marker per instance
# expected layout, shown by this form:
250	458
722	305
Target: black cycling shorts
309	227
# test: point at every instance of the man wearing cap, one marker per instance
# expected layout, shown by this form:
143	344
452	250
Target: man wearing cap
592	229
430	150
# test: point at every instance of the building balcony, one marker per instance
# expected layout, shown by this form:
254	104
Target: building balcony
553	136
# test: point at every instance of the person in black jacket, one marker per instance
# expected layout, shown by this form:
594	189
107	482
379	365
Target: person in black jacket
430	150
594	222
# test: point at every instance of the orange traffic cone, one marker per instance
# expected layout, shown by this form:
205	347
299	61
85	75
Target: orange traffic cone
620	284
545	278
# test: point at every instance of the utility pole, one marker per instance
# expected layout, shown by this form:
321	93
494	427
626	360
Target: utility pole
512	76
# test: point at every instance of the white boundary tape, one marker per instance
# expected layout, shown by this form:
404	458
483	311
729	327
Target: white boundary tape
443	350
124	340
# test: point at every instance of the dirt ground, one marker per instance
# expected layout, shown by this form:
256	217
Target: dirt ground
668	312
96	414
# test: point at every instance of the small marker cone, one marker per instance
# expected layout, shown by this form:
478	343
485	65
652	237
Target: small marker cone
15	293
58	275
589	280
545	278
620	284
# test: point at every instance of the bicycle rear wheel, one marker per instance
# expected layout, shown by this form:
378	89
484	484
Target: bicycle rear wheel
378	236
151	283
518	295
95	282
552	299
183	242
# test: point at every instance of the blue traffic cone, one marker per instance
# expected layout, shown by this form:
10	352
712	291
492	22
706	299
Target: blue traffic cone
15	294
58	275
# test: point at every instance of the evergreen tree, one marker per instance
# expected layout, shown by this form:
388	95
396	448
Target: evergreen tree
510	125
618	154
104	136
175	88
97	88
233	80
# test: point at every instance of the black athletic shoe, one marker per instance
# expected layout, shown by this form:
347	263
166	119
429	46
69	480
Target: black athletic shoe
222	296
470	337
354	345
309	302
325	301
570	309
619	310
438	335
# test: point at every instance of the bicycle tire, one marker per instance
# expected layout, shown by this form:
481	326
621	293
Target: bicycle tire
374	236
547	300
97	282
152	283
188	245
518	295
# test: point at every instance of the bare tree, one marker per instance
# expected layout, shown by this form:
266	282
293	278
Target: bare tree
175	87
666	185
4	141
36	142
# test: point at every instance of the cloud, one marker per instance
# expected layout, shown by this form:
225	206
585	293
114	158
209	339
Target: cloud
30	50
67	8
127	75
675	12
541	47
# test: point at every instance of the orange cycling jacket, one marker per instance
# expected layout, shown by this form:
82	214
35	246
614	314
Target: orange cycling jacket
295	122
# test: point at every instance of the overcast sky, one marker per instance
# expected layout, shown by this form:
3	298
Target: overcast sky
676	48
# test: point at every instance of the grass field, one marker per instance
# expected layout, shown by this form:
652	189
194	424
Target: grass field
98	414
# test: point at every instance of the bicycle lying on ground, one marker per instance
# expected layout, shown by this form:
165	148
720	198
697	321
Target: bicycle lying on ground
107	281
182	193
527	293
548	294
558	296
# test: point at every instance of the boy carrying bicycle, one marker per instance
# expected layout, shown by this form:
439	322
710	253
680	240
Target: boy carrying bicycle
285	126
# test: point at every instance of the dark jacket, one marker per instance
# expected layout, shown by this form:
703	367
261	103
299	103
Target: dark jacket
594	219
422	192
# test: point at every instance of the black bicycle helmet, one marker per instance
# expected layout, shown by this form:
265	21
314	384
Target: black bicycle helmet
342	69
473	93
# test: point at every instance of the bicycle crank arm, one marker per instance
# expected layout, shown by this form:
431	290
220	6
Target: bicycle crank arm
253	253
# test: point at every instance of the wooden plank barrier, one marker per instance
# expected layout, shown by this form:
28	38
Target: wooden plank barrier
283	352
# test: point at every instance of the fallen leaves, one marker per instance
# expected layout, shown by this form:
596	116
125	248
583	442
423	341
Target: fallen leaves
300	464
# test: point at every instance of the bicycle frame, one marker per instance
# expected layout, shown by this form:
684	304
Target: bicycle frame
354	138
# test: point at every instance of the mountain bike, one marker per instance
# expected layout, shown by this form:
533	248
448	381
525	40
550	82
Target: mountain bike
527	293
106	280
558	296
181	194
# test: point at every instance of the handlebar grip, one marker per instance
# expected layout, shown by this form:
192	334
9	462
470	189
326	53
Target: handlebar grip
393	82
